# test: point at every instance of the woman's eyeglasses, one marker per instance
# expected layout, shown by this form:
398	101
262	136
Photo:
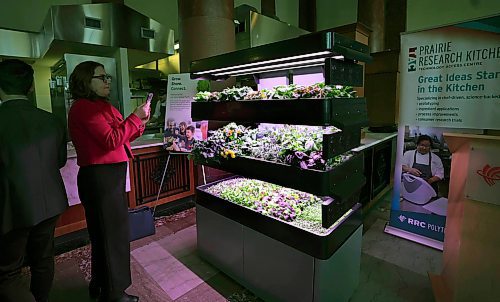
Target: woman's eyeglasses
104	77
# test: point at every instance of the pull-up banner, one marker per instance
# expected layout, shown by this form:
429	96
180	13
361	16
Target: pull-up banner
450	78
450	82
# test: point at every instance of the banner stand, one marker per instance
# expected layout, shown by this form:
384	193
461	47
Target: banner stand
448	83
436	244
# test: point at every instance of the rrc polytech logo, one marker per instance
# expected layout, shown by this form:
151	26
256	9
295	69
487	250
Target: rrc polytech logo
412	59
489	174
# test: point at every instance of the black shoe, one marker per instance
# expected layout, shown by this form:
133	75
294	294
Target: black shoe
94	290
125	298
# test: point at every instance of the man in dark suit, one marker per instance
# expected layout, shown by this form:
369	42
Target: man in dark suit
32	194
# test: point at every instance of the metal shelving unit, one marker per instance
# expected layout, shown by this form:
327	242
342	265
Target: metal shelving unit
260	251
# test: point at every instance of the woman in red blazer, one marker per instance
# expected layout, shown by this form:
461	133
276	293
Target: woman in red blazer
102	141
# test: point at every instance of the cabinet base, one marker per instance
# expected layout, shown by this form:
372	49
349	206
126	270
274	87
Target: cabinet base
273	270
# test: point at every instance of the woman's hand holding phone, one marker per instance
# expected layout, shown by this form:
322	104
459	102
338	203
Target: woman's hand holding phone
143	111
148	102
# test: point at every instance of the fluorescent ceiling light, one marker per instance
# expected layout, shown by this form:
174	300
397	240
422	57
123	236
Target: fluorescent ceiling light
176	46
262	68
321	53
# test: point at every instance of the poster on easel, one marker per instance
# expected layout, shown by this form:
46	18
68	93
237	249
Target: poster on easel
449	83
181	131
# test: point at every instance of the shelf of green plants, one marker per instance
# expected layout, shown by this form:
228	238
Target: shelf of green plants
338	112
346	114
341	181
281	223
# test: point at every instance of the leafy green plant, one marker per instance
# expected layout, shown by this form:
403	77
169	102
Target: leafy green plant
293	145
234	94
268	199
203	86
311	213
292	91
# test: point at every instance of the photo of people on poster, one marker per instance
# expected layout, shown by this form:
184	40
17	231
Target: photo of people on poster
423	184
181	132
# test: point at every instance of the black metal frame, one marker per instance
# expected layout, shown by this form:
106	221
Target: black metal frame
339	72
336	112
327	43
344	182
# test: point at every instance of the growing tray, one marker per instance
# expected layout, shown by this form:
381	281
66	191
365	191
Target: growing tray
342	141
318	246
338	112
341	182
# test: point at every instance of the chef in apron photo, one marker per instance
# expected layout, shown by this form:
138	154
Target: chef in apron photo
423	163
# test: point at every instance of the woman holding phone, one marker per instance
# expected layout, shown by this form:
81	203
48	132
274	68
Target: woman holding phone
102	141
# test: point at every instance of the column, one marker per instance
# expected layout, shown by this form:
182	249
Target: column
206	28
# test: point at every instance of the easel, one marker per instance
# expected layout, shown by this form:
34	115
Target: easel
165	173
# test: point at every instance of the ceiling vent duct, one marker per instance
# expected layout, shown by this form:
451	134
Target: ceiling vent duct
90	29
254	29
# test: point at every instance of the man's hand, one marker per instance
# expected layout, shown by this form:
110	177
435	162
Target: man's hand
433	179
414	171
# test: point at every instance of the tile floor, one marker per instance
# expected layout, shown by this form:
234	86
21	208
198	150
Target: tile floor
166	267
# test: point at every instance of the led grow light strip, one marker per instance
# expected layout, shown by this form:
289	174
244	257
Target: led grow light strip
278	69
321	53
262	68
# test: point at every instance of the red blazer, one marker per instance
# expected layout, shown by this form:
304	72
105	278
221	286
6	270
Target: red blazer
100	134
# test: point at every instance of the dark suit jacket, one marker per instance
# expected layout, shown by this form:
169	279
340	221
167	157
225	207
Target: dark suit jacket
32	149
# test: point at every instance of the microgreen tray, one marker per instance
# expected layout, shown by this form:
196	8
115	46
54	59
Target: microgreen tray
320	246
341	182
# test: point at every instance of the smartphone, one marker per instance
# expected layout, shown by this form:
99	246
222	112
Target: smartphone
148	101
150	97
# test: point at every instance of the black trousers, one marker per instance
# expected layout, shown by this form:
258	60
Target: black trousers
102	192
37	244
